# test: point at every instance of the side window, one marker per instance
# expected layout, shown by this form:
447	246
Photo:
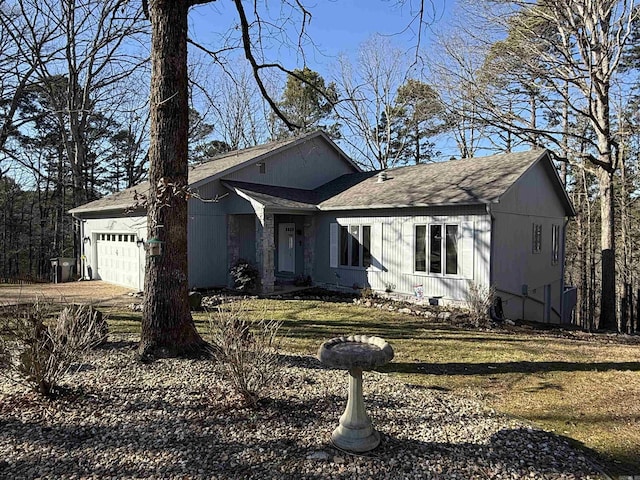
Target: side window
420	262
451	247
344	245
537	238
555	244
435	249
366	246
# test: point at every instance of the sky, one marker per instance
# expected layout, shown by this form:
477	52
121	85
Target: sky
336	26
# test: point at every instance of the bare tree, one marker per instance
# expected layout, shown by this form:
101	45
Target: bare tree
571	51
238	114
368	90
167	325
16	74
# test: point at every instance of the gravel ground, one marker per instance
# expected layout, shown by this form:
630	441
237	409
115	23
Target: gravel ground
179	419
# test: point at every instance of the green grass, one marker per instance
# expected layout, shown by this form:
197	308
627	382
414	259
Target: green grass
586	388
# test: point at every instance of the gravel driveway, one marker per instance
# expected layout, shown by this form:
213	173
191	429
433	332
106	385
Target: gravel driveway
95	291
179	419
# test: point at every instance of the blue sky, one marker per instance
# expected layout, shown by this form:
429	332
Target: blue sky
337	26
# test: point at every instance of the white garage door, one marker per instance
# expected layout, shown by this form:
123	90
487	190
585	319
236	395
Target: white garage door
120	259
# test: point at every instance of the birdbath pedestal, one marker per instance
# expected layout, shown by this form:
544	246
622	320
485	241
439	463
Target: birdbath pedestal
356	353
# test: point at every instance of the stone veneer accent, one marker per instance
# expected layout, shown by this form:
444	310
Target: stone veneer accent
309	244
265	249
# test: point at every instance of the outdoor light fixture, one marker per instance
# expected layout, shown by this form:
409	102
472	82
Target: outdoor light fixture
86	240
140	241
154	247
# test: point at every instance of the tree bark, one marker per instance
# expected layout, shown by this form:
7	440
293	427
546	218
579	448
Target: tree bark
167	325
608	319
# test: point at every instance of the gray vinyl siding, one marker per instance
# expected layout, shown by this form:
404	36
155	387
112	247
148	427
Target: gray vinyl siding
305	166
393	263
207	237
207	250
531	200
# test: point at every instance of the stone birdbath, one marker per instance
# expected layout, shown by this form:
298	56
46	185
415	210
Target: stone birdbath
355	354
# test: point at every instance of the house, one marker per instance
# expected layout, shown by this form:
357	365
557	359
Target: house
301	207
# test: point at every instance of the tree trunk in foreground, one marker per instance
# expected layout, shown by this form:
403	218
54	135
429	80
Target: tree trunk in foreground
167	326
608	320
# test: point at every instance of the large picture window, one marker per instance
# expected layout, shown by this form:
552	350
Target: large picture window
440	247
355	246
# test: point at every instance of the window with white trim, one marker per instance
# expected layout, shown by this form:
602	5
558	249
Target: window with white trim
355	246
555	244
436	248
537	238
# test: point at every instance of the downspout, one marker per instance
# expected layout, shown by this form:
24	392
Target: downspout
80	261
562	267
83	253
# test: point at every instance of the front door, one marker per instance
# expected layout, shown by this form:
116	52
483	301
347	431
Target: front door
287	247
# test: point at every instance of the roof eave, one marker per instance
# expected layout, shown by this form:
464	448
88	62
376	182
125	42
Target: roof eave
110	208
383	206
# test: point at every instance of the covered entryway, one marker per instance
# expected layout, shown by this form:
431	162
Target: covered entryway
280	233
119	259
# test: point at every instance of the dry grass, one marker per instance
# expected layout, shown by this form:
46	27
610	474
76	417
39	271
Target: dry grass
585	387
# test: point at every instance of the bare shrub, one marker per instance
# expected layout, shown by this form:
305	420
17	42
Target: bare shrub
246	349
83	323
479	299
40	344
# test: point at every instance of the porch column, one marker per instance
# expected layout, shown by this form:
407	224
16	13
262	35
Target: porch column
309	244
265	247
233	244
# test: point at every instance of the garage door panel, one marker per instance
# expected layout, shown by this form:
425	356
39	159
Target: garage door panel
120	259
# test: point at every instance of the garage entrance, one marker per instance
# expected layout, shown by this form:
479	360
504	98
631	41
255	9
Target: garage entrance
120	260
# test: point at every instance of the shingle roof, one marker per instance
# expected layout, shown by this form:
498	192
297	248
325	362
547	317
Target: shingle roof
277	197
470	181
197	173
457	182
462	182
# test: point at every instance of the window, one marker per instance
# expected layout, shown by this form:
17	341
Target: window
451	248
555	244
355	246
420	250
443	249
537	238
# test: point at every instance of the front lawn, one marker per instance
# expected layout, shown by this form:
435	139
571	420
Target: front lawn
585	387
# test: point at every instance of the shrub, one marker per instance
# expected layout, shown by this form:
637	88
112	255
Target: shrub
40	345
367	293
80	321
302	281
245	275
479	299
247	350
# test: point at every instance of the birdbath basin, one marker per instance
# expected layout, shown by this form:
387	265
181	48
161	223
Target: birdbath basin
356	353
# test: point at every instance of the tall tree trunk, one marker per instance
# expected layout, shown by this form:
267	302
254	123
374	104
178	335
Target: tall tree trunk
167	326
608	319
